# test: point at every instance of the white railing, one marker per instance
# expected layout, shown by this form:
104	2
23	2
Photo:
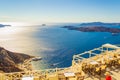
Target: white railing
106	47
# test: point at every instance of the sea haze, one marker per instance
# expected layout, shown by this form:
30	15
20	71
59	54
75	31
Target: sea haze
54	44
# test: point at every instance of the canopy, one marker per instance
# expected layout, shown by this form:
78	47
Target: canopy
69	74
27	78
110	46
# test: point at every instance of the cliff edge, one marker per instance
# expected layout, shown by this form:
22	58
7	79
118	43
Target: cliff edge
9	60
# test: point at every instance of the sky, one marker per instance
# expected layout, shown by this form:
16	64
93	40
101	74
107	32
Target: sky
37	11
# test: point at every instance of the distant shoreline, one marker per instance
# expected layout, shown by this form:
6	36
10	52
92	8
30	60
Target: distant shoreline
93	29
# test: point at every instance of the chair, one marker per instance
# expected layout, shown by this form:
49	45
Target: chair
36	78
80	78
97	69
53	78
61	77
103	67
119	62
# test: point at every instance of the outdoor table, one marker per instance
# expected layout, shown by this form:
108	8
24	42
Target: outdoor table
69	75
98	60
61	76
101	60
119	61
28	78
118	57
111	58
94	62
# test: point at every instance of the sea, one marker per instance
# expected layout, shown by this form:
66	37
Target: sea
56	45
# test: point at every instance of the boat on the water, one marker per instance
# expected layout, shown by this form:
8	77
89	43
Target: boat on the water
36	59
43	24
115	34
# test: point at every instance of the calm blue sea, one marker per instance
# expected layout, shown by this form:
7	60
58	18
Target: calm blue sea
54	44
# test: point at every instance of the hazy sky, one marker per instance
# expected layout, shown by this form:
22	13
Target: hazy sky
59	10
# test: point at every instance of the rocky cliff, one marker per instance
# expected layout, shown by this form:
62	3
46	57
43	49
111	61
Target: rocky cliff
9	60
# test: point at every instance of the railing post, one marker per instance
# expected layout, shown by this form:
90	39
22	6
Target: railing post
102	49
79	61
46	74
90	54
1	76
11	77
73	62
56	71
107	49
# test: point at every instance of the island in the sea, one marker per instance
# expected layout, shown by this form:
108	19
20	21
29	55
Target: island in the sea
96	27
2	25
99	24
14	62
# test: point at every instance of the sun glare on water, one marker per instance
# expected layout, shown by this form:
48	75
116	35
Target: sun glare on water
14	28
15	23
13	37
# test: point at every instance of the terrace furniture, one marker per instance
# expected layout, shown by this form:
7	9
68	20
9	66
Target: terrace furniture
53	78
69	75
80	78
94	62
42	77
61	76
27	78
36	78
103	67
